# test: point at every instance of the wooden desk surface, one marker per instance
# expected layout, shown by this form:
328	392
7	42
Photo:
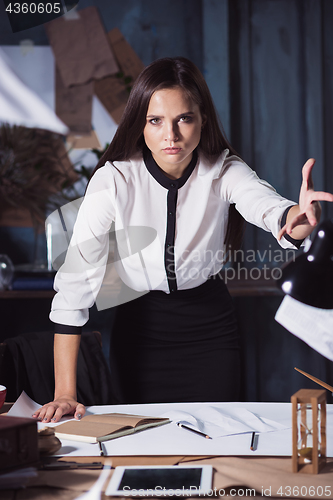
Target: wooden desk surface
233	477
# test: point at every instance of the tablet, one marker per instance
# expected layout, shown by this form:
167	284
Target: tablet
160	481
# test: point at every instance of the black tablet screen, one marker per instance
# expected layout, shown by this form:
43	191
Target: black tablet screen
171	479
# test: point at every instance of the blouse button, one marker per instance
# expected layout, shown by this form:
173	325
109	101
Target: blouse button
172	185
170	213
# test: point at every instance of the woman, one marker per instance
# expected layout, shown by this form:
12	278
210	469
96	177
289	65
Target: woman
170	169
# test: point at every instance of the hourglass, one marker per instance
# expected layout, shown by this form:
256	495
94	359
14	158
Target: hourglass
309	430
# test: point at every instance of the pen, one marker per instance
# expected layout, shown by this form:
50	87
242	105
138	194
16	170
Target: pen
103	452
252	441
193	430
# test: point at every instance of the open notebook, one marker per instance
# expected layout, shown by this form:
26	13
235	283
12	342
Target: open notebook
94	428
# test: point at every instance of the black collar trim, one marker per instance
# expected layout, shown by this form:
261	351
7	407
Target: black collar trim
161	178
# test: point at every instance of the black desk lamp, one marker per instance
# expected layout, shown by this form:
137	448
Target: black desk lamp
309	278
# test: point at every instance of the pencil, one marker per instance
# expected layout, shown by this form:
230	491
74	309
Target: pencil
252	441
193	430
317	380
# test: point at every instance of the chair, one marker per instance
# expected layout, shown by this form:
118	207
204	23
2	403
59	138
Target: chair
27	364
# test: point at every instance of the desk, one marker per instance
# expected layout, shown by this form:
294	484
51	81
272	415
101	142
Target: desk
232	474
271	475
172	440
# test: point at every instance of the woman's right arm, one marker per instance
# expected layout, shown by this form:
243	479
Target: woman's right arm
66	348
77	284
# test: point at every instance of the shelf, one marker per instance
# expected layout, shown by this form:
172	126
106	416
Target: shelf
27	294
237	288
251	288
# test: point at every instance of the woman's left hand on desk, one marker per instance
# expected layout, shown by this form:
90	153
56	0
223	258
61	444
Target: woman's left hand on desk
54	410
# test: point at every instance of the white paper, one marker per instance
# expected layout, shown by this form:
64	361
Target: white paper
172	440
218	422
23	407
311	324
20	105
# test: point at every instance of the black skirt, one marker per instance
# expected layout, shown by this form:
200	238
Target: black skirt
176	347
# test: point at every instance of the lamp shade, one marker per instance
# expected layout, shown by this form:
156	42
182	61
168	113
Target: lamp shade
309	278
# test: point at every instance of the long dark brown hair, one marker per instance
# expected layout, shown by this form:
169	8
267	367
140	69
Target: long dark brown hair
163	74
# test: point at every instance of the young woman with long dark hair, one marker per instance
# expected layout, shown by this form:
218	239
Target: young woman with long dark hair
171	169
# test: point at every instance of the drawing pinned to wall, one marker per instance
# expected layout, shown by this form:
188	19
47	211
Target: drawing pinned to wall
82	54
113	91
81	48
74	105
86	141
89	61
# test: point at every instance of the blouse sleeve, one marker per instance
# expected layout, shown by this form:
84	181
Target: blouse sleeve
255	199
79	279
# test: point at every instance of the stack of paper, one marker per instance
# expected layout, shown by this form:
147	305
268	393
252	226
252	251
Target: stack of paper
311	324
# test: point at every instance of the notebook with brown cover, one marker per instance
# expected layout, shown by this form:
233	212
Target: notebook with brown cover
103	427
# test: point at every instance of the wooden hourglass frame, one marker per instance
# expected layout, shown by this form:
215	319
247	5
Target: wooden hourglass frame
309	430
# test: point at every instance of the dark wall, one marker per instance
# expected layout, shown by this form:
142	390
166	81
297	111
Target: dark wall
281	90
270	354
281	97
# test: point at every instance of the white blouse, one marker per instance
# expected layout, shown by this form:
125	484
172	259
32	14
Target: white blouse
169	233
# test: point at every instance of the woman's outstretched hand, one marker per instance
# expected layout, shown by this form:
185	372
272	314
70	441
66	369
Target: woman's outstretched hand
302	218
65	405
